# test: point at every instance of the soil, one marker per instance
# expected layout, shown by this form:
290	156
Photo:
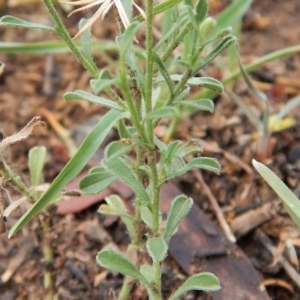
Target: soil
33	85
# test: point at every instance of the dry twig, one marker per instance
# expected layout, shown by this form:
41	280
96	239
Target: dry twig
215	206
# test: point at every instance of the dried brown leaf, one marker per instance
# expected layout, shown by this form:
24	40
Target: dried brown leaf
22	135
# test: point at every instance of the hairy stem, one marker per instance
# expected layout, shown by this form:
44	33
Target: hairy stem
64	34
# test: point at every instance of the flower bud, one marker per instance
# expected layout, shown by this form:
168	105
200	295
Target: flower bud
207	27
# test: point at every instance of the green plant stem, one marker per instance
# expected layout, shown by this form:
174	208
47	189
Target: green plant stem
113	95
149	128
148	108
157	276
137	217
134	115
169	34
149	69
174	43
155	190
64	34
126	288
14	180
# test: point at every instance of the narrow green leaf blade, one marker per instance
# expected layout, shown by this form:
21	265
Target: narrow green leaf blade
117	148
128	36
16	22
190	148
116	262
116	166
72	168
160	8
36	161
172	149
104	80
82	95
117	205
147	216
116	202
157	248
290	202
201	282
163	112
86	43
161	67
222	45
148	272
199	104
96	182
180	207
201	10
207	82
206	163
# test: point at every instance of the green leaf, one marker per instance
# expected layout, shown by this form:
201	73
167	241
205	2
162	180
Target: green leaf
147	272
201	10
161	67
127	37
72	168
207	82
116	202
205	163
160	8
190	148
104	80
117	148
16	22
116	166
160	144
82	95
180	207
172	149
113	261
54	46
107	210
190	40
86	43
163	112
146	216
201	282
177	168
36	163
177	163
96	182
290	202
123	130
183	95
200	104
132	62
157	248
222	45
94	170
115	206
